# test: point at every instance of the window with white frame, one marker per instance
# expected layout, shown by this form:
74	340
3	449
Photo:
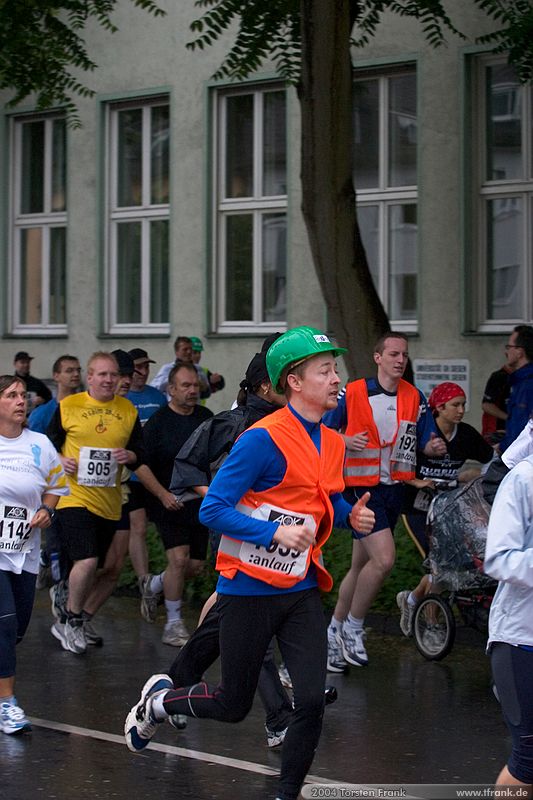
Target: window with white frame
385	179
502	214
250	219
137	244
38	230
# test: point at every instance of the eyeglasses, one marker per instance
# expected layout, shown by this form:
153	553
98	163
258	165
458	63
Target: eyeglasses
512	347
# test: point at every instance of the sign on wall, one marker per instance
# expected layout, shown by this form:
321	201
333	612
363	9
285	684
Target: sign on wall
431	371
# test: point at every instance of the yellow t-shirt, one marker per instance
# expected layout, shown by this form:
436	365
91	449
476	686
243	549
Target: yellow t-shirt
95	426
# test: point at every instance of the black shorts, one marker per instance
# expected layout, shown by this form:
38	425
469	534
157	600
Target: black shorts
138	497
84	534
178	528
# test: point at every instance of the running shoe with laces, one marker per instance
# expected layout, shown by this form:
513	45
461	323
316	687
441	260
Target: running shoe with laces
149	599
13	720
352	643
406	612
71	635
275	738
175	633
58	598
336	660
140	724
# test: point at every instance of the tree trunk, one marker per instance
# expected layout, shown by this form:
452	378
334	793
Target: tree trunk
355	313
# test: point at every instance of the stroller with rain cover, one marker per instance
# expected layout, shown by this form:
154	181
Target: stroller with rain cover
457	532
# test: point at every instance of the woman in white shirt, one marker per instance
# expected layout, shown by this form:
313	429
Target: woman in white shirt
31	480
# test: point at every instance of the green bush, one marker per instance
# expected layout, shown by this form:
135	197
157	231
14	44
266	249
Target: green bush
337	557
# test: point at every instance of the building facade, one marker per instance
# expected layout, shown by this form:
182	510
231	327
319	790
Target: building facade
175	207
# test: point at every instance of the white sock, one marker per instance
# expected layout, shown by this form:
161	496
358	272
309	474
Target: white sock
353	622
158	710
173	608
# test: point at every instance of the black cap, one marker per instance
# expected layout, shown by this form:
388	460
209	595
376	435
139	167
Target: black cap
22	354
124	361
256	372
138	353
269	340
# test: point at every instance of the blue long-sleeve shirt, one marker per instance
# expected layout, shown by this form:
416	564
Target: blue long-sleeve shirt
256	463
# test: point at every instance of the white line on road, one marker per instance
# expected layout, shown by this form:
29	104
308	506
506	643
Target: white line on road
235	763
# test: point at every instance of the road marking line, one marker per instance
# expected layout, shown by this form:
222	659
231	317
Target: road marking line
235	763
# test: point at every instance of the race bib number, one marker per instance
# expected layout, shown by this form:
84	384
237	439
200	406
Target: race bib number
404	449
97	467
276	557
15	531
422	500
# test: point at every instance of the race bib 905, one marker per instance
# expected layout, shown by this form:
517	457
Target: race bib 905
97	467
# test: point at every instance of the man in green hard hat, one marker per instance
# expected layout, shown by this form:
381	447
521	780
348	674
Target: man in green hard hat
275	498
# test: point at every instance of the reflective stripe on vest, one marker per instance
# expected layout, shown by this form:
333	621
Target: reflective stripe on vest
362	467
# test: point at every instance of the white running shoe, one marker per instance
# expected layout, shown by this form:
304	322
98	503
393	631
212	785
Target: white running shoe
406	612
13	720
352	643
175	634
140	724
149	599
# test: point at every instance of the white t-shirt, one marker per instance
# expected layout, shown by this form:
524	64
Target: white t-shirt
521	448
29	468
384	411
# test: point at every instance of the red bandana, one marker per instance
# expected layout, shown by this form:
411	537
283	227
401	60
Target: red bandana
443	393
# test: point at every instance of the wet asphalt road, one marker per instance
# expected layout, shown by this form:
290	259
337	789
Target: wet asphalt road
402	719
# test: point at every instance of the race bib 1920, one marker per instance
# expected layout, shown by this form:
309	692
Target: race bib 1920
97	467
404	449
15	531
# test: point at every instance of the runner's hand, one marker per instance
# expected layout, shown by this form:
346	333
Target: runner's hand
170	501
358	441
296	537
436	446
362	519
70	465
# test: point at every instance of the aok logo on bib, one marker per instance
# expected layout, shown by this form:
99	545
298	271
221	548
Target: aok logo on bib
283	518
100	455
15	512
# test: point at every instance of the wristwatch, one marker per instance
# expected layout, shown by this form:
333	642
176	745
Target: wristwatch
51	511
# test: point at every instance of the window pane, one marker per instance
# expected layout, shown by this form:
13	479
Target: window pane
129	190
159	154
239	277
239	146
366	134
129	272
402	131
32	168
274	266
504	124
159	271
59	165
402	261
58	273
275	144
368	219
30	276
505	258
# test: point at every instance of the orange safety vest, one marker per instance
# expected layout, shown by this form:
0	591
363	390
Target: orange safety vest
362	467
301	498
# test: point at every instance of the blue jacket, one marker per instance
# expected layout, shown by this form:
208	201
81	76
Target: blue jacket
519	405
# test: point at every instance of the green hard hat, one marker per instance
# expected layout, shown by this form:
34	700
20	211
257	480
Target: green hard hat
197	345
297	344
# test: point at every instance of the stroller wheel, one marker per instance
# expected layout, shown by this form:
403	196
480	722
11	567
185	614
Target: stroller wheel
433	627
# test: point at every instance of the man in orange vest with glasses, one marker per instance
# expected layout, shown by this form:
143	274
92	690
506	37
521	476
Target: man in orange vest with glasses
384	421
276	498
